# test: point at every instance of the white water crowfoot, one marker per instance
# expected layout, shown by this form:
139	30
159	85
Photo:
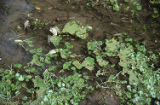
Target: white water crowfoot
18	41
53	30
26	24
53	51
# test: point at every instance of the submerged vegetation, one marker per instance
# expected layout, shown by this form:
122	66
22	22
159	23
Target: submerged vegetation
62	76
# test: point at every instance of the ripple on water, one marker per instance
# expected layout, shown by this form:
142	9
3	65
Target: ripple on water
11	11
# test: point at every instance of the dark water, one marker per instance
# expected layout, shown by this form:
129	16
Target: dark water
11	11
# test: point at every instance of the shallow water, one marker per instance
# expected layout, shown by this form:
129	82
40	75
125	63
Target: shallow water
105	24
56	14
11	11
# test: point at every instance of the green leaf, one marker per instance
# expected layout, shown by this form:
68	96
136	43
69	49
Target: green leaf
94	46
73	68
55	40
35	61
52	68
112	47
139	7
74	28
77	64
18	66
88	63
38	82
21	78
66	65
101	62
68	45
25	98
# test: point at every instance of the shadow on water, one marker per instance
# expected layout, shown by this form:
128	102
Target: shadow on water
11	11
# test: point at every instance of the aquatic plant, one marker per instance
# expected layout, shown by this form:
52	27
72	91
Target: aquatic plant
75	29
12	82
63	90
114	3
154	1
142	81
61	77
88	63
77	64
55	40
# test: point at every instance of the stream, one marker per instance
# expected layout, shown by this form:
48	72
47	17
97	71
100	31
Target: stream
11	11
106	25
14	12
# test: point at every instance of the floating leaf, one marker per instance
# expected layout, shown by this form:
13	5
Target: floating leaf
94	46
21	78
66	65
112	47
52	68
77	64
88	63
18	66
54	40
101	62
75	29
38	82
64	53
